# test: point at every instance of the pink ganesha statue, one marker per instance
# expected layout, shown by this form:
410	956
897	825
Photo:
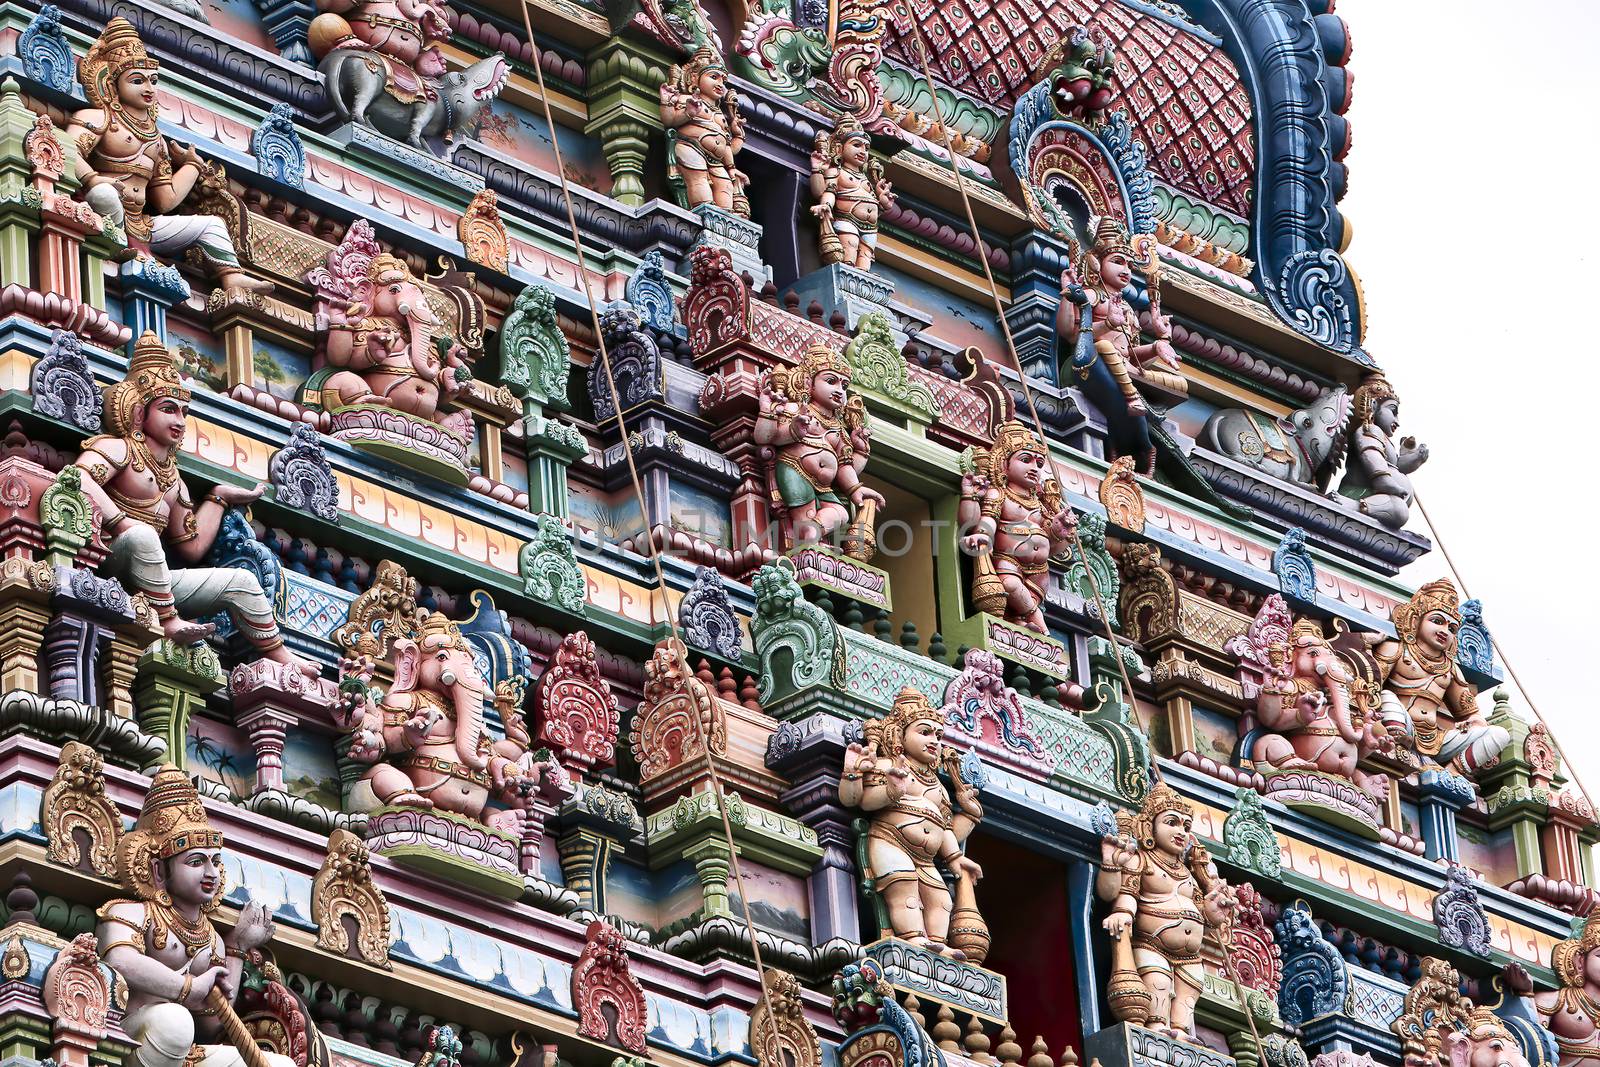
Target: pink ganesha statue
427	740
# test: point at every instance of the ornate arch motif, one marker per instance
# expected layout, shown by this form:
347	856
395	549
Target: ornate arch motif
65	513
46	56
1474	646
1434	1007
679	718
635	363
878	366
783	1037
706	615
651	294
344	888
1249	838
1458	913
74	801
979	694
386	611
795	640
277	148
302	476
1296	570
77	997
574	710
549	567
534	355
601	978
481	230
1255	956
1093	559
1149	601
1316	981
62	385
1121	496
717	307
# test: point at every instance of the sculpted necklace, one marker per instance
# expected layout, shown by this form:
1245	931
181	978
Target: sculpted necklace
166	471
1177	871
1026	500
194	935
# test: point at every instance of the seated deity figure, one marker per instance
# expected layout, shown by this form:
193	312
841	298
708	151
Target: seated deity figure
1376	469
1572	1012
702	111
181	973
131	476
850	189
894	777
814	434
1104	271
134	176
1428	705
1011	503
1164	899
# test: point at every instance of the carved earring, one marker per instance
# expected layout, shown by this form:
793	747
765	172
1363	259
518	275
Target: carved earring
138	435
1148	842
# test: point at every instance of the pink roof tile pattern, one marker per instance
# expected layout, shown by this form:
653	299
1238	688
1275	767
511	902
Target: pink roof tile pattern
1187	101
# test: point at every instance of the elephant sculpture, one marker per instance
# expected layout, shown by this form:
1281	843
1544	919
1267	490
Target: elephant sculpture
1317	705
426	738
381	341
1307	447
362	89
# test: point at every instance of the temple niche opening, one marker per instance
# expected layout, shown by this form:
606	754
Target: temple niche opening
694	533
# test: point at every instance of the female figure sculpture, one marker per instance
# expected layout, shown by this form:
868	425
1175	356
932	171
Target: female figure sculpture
816	446
181	974
1428	704
131	475
1012	504
1164	899
894	777
134	176
702	111
850	189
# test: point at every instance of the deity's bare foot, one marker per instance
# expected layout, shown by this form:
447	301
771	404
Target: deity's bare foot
239	280
282	655
181	631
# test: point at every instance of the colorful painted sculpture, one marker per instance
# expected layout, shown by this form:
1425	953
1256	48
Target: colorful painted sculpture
181	973
1011	502
383	68
815	446
1428	704
1442	1028
1315	708
1096	285
426	737
1165	898
133	480
1572	1012
701	111
1306	446
850	189
894	777
1377	470
132	175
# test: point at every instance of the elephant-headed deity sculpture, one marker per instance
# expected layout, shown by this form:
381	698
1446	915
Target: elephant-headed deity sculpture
387	368
384	70
1441	1027
701	113
135	177
1377	470
813	434
1306	447
436	773
1165	898
893	776
1428	704
1315	718
1011	503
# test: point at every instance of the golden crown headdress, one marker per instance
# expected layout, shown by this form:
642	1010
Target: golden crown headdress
847	128
1374	390
910	707
1161	799
118	50
385	262
173	821
796	382
1440	595
1566	959
1110	236
1306	629
152	374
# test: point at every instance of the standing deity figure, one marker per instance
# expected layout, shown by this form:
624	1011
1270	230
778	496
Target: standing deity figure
1428	705
181	974
1092	297
1572	1012
850	190
1011	503
815	445
1165	897
133	480
701	110
1316	708
894	778
1376	469
134	176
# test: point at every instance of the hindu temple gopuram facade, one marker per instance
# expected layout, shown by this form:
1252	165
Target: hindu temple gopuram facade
697	532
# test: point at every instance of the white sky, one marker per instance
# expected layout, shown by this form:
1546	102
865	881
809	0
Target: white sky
1474	147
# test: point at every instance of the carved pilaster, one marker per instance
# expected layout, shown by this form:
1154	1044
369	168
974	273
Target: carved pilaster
1440	795
810	753
624	107
712	861
172	681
